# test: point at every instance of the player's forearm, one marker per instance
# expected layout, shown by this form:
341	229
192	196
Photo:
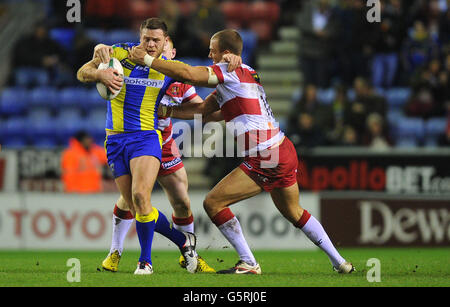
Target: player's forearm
182	72
187	111
88	72
214	117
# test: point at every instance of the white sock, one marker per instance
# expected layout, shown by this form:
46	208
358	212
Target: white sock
233	232
120	229
185	228
315	232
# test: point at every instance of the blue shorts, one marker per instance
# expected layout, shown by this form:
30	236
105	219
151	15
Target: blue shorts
121	148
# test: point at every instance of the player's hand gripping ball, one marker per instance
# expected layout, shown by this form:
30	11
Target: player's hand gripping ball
102	88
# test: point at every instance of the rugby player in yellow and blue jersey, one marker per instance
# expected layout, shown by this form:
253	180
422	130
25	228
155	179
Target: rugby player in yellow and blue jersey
133	142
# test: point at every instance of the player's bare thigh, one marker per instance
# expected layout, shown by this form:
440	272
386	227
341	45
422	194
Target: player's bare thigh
287	202
176	187
234	187
144	171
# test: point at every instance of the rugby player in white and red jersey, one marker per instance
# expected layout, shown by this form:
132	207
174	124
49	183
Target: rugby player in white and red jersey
171	176
270	162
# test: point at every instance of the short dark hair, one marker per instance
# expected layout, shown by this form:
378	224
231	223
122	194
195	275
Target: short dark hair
230	40
81	135
155	23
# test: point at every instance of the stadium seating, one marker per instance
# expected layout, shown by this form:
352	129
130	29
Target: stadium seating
30	76
397	97
64	36
120	36
409	132
72	96
43	97
14	127
97	35
42	126
434	127
250	40
326	96
13	101
268	11
232	10
95	124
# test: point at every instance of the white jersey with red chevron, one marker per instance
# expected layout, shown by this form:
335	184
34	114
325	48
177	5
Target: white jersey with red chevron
243	103
176	94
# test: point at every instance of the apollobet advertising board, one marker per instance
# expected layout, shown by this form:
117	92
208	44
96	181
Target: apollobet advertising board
394	172
386	221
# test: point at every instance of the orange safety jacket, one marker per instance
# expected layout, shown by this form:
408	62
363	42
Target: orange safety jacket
81	169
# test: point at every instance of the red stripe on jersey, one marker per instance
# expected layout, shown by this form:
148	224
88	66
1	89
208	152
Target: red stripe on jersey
240	106
190	98
245	75
167	132
218	73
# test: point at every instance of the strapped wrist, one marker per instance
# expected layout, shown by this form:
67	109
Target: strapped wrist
148	60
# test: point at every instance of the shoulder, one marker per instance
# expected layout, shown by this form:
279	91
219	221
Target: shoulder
178	89
120	50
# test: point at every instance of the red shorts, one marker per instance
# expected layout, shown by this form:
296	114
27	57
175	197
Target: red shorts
170	159
273	168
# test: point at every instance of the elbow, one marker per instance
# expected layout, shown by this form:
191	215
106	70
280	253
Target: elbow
80	75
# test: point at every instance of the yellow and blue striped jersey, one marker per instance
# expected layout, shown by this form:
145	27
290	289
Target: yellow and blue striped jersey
136	106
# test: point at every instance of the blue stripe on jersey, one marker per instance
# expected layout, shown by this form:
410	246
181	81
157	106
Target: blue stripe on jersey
133	97
109	122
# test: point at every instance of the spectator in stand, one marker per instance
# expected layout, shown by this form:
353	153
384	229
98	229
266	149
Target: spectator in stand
170	13
419	48
44	65
82	49
376	136
388	36
421	104
196	24
305	133
82	164
309	103
444	139
318	24
354	41
366	102
349	137
431	91
444	26
339	106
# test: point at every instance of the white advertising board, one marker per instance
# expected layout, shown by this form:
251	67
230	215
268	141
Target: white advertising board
65	221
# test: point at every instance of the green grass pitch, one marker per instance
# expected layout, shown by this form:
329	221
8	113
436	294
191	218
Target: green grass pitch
412	267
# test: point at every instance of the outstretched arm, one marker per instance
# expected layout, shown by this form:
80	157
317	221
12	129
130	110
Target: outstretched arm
196	75
214	117
188	110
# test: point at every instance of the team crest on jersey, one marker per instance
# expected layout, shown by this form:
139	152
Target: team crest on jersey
175	90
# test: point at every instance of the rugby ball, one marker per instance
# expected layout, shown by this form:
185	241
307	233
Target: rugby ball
101	88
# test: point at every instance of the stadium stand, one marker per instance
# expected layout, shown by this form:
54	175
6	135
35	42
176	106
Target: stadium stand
31	97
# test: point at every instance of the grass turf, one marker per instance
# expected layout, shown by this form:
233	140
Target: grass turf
413	267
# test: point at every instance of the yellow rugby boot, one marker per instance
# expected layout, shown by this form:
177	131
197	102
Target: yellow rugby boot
111	262
202	266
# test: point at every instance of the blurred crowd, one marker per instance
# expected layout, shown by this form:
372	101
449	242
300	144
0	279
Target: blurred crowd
339	48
